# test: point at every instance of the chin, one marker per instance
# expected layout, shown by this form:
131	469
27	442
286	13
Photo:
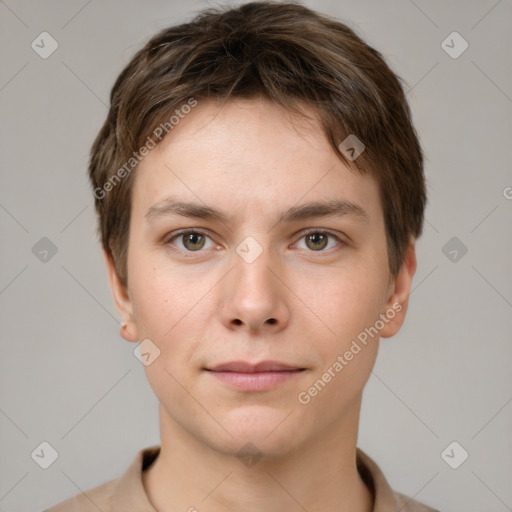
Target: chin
271	432
255	446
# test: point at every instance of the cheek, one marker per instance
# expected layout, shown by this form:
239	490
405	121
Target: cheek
161	295
161	306
151	305
165	312
172	308
348	307
344	301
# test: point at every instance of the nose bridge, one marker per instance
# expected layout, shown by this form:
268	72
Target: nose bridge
252	295
251	270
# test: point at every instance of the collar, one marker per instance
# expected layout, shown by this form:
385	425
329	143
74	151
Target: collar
129	493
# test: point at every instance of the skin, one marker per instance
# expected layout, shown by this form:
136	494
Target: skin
253	160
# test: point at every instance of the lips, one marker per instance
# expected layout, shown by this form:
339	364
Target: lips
248	377
244	367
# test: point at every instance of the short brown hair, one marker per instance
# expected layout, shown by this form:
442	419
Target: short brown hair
288	54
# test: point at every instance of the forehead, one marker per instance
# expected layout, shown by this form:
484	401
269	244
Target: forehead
250	156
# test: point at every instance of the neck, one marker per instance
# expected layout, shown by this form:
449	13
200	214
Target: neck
190	475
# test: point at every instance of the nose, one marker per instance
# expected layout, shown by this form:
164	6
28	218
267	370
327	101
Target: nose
253	297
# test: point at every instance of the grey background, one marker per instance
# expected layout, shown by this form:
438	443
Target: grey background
68	378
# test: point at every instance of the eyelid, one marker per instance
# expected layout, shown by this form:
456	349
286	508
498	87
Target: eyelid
308	231
185	231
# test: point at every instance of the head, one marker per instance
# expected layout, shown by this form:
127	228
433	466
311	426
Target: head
293	140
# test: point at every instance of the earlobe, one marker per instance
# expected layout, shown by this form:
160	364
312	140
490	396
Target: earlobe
398	298
127	333
122	300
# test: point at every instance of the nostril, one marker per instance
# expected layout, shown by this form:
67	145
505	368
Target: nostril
270	321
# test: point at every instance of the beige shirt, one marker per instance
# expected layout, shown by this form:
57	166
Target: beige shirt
127	493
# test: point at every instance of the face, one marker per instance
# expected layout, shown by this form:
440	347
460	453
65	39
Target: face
256	261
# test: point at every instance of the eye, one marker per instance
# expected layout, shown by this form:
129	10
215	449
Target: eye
191	241
317	241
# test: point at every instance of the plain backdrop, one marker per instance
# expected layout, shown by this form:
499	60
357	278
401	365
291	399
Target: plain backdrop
68	378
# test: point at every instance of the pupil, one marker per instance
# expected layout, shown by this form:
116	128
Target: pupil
193	239
318	237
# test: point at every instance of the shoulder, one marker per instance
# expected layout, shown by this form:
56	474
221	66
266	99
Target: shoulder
99	497
385	498
125	493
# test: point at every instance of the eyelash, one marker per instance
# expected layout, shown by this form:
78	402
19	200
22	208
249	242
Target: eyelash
304	234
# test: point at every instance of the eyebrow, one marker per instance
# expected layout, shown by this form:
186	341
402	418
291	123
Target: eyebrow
335	207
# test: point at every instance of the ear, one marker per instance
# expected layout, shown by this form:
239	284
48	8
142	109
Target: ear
398	293
122	300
